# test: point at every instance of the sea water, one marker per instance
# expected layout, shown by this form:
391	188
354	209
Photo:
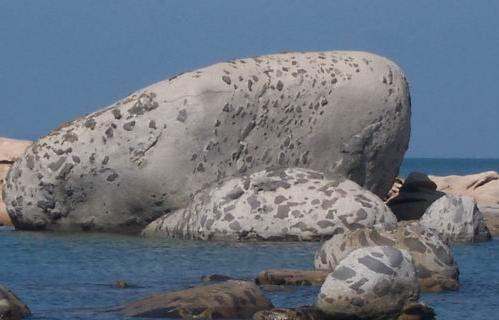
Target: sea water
70	276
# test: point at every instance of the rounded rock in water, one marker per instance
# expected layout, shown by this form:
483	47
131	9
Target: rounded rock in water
277	204
435	266
118	169
456	219
369	283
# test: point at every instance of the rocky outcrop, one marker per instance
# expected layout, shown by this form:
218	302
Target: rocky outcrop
227	300
371	283
342	113
291	277
415	195
435	267
456	219
10	150
301	313
11	307
278	204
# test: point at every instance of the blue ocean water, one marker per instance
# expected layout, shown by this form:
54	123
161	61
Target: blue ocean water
70	276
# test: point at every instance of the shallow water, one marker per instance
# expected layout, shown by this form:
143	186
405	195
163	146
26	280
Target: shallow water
65	276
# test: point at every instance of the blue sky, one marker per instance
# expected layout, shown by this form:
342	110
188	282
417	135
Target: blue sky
60	59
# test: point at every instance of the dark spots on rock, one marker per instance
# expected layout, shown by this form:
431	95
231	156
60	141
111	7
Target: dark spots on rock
246	131
105	160
282	212
415	245
129	126
90	123
235	193
382	288
54	166
270	185
66	169
46	205
200	167
116	113
343	273
361	214
30	162
69	137
375	265
280	199
326	204
226	108
228	217
357	285
315	202
235	226
379	240
109	133
113	176
422	272
182	115
325	224
279	85
152	125
282	159
92	158
394	256
144	104
226	79
357	301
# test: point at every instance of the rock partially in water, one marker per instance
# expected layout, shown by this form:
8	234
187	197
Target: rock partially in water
291	277
227	300
456	219
371	283
10	150
415	195
11	307
118	169
435	267
215	278
275	204
417	311
121	284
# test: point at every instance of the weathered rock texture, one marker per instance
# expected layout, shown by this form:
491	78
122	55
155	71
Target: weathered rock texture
275	204
456	219
11	307
10	149
435	267
228	300
370	283
415	195
341	113
292	277
301	313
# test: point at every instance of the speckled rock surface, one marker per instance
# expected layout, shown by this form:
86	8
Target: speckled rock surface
11	307
10	150
341	113
301	313
228	300
275	204
456	219
435	267
291	277
371	282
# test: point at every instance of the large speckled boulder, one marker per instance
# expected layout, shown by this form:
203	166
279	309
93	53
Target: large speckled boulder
228	300
275	204
370	283
456	219
11	307
10	150
341	113
435	267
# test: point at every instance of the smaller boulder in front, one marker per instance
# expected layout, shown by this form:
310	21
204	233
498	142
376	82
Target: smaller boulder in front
11	307
456	219
372	282
227	300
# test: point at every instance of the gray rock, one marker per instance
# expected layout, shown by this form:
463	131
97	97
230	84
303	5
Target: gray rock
11	307
291	277
227	300
278	204
456	219
435	266
301	313
370	283
341	113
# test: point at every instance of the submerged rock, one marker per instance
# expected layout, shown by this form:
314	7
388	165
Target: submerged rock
301	313
10	150
117	169
371	283
291	277
278	204
415	195
456	219
435	266
11	307
227	300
